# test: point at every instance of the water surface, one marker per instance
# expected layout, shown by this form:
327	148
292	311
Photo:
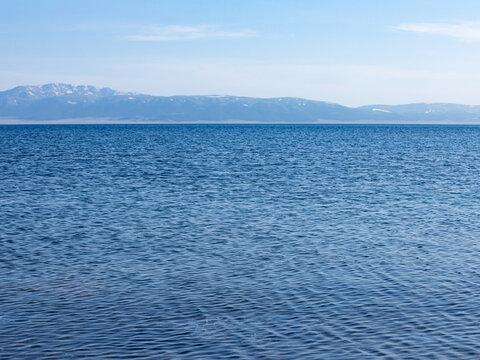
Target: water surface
261	242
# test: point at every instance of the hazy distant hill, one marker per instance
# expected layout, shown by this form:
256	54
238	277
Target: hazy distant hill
63	101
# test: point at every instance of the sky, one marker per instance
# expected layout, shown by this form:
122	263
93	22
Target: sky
344	51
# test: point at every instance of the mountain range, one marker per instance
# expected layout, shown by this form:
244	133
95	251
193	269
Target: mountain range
60	102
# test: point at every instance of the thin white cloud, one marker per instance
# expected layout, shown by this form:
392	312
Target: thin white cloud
177	32
465	31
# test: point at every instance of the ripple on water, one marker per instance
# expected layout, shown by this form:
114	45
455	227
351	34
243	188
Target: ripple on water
275	242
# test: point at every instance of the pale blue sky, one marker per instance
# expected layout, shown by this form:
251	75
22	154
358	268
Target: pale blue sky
344	51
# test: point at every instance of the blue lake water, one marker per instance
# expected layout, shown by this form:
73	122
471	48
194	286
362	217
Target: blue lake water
261	242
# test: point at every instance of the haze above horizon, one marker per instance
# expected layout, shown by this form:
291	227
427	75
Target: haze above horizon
344	52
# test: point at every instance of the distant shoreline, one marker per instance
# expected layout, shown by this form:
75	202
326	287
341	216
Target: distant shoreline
109	121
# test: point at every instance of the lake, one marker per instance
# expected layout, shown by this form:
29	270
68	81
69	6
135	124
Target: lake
239	241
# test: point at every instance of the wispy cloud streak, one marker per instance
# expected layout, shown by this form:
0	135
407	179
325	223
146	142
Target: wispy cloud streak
465	31
177	32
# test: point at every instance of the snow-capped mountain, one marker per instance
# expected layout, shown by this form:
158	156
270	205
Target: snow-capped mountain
64	101
33	93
